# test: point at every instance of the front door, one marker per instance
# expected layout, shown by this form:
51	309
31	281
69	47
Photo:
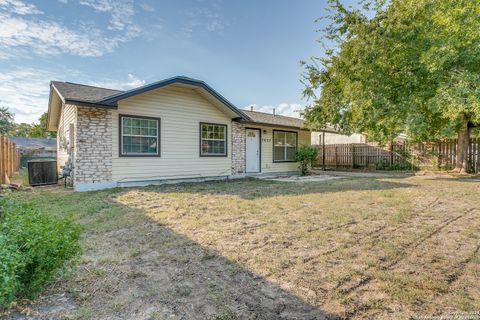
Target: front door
252	146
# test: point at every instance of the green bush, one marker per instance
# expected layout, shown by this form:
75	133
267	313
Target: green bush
306	155
33	246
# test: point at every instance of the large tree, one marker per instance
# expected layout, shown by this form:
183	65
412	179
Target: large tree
6	120
39	130
20	130
399	66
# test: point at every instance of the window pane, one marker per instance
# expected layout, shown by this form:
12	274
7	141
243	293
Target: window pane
291	153
279	138
136	123
140	136
279	153
152	146
213	139
291	139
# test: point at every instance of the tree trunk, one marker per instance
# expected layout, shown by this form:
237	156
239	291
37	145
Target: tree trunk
462	165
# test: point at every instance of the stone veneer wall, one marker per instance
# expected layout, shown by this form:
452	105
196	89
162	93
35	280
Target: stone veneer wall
93	152
238	148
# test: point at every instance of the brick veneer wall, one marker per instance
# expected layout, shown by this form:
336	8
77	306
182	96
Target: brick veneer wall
238	148
93	156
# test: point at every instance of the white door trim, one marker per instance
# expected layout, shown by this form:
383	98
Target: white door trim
258	153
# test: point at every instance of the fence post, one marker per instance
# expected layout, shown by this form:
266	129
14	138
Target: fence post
352	155
323	150
336	162
391	154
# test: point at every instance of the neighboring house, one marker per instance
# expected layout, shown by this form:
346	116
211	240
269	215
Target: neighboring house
35	148
336	138
175	129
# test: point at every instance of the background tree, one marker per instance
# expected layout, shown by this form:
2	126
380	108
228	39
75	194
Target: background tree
39	130
20	130
399	67
6	120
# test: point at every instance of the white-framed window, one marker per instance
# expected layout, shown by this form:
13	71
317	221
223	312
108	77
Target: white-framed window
139	136
213	140
284	146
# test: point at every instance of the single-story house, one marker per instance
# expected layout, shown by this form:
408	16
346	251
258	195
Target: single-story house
178	129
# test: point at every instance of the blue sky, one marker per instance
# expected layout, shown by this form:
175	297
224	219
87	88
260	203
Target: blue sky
247	50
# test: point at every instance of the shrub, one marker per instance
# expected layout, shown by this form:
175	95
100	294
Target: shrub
306	155
33	246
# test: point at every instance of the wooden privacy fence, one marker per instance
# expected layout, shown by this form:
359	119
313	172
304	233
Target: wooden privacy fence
397	156
9	159
443	154
364	156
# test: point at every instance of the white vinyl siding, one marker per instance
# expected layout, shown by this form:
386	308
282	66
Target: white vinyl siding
181	111
267	164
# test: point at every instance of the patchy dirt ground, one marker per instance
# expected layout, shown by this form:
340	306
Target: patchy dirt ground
356	248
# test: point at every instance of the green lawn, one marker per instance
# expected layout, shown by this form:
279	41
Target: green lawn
358	248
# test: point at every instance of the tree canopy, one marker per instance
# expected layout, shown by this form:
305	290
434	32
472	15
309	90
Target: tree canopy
6	120
400	66
39	130
34	130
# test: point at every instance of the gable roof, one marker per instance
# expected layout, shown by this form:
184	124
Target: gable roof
103	97
90	96
112	100
279	120
75	92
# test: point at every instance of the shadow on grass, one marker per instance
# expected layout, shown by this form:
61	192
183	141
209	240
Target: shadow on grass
251	188
133	267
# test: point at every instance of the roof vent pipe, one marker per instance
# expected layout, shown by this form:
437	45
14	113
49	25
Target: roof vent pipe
273	111
251	108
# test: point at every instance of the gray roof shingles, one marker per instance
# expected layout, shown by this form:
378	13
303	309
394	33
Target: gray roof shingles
83	93
267	118
279	120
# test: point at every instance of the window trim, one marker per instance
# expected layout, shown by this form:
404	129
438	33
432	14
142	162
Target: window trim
200	140
120	137
273	145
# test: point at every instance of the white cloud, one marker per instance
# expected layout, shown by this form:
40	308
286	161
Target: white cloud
131	82
49	37
25	92
207	17
146	7
284	109
121	13
18	7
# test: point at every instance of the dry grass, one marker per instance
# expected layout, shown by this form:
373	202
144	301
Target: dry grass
358	248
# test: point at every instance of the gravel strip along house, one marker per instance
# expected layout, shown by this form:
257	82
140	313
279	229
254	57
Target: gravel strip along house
178	129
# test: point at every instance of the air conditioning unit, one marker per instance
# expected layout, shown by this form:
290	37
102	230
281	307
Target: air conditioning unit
42	172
